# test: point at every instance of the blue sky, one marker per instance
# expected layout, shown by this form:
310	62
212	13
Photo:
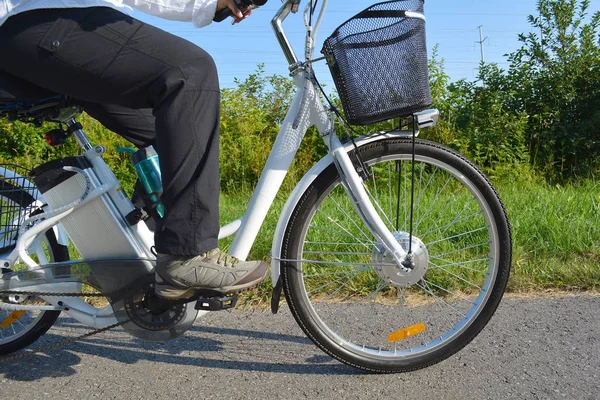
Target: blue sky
453	25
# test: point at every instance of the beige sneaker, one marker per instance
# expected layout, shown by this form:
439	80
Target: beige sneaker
180	277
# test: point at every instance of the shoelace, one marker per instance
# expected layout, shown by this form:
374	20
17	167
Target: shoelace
226	258
221	256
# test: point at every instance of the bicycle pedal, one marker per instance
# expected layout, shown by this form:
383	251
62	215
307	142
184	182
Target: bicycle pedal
216	303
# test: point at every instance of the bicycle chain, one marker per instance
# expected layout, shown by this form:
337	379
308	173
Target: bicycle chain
44	349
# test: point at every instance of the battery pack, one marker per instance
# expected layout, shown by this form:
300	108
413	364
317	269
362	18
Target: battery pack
96	228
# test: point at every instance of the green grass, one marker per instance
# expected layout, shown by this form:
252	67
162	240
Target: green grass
556	234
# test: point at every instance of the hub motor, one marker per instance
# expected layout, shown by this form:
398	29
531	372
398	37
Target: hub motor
396	275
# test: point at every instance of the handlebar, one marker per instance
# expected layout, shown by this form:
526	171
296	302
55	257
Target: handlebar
289	6
242	5
292	6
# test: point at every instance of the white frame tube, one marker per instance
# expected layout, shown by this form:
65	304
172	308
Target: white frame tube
306	110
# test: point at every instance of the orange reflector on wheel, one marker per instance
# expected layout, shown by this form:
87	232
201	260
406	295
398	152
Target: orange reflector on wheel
11	319
406	332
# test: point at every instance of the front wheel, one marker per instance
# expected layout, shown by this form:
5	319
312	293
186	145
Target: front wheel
344	288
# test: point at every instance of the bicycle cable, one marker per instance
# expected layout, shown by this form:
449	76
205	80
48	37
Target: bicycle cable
412	191
362	168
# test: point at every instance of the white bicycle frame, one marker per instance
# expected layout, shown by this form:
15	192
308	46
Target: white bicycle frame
307	109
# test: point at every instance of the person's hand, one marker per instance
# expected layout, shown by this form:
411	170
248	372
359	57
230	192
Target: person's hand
237	14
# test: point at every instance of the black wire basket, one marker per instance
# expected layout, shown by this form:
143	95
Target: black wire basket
378	60
17	203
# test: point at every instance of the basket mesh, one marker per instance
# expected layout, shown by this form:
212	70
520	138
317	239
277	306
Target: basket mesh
378	60
16	204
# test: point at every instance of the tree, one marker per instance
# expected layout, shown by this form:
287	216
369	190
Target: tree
557	78
489	133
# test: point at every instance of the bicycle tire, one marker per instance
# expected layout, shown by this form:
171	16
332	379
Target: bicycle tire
350	298
33	324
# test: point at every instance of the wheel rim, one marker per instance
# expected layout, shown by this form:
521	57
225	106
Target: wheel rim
443	301
21	326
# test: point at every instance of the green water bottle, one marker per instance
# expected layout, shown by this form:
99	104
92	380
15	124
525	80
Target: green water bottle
145	162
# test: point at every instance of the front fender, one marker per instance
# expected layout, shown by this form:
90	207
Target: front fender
289	207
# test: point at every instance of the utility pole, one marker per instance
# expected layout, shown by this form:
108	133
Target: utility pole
481	40
541	32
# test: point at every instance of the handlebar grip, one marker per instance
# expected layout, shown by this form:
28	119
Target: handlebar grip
222	14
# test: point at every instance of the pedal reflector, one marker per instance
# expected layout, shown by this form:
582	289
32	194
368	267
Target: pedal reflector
11	319
406	332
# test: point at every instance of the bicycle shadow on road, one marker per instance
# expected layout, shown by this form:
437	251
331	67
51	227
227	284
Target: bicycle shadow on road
57	363
207	347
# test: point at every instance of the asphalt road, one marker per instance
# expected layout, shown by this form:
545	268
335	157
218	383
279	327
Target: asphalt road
532	349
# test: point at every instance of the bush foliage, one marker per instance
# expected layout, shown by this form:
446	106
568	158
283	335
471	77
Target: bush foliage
543	110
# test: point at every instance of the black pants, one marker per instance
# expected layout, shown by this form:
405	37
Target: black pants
143	83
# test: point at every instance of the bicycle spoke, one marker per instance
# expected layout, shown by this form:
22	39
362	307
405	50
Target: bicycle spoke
458	219
344	253
381	213
350	218
445	227
460	250
389	171
448	291
460	264
348	235
438	305
417	203
398	189
457	277
401	296
331	243
374	294
335	273
434	201
457	236
406	197
331	283
370	264
448	205
374	184
441	300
